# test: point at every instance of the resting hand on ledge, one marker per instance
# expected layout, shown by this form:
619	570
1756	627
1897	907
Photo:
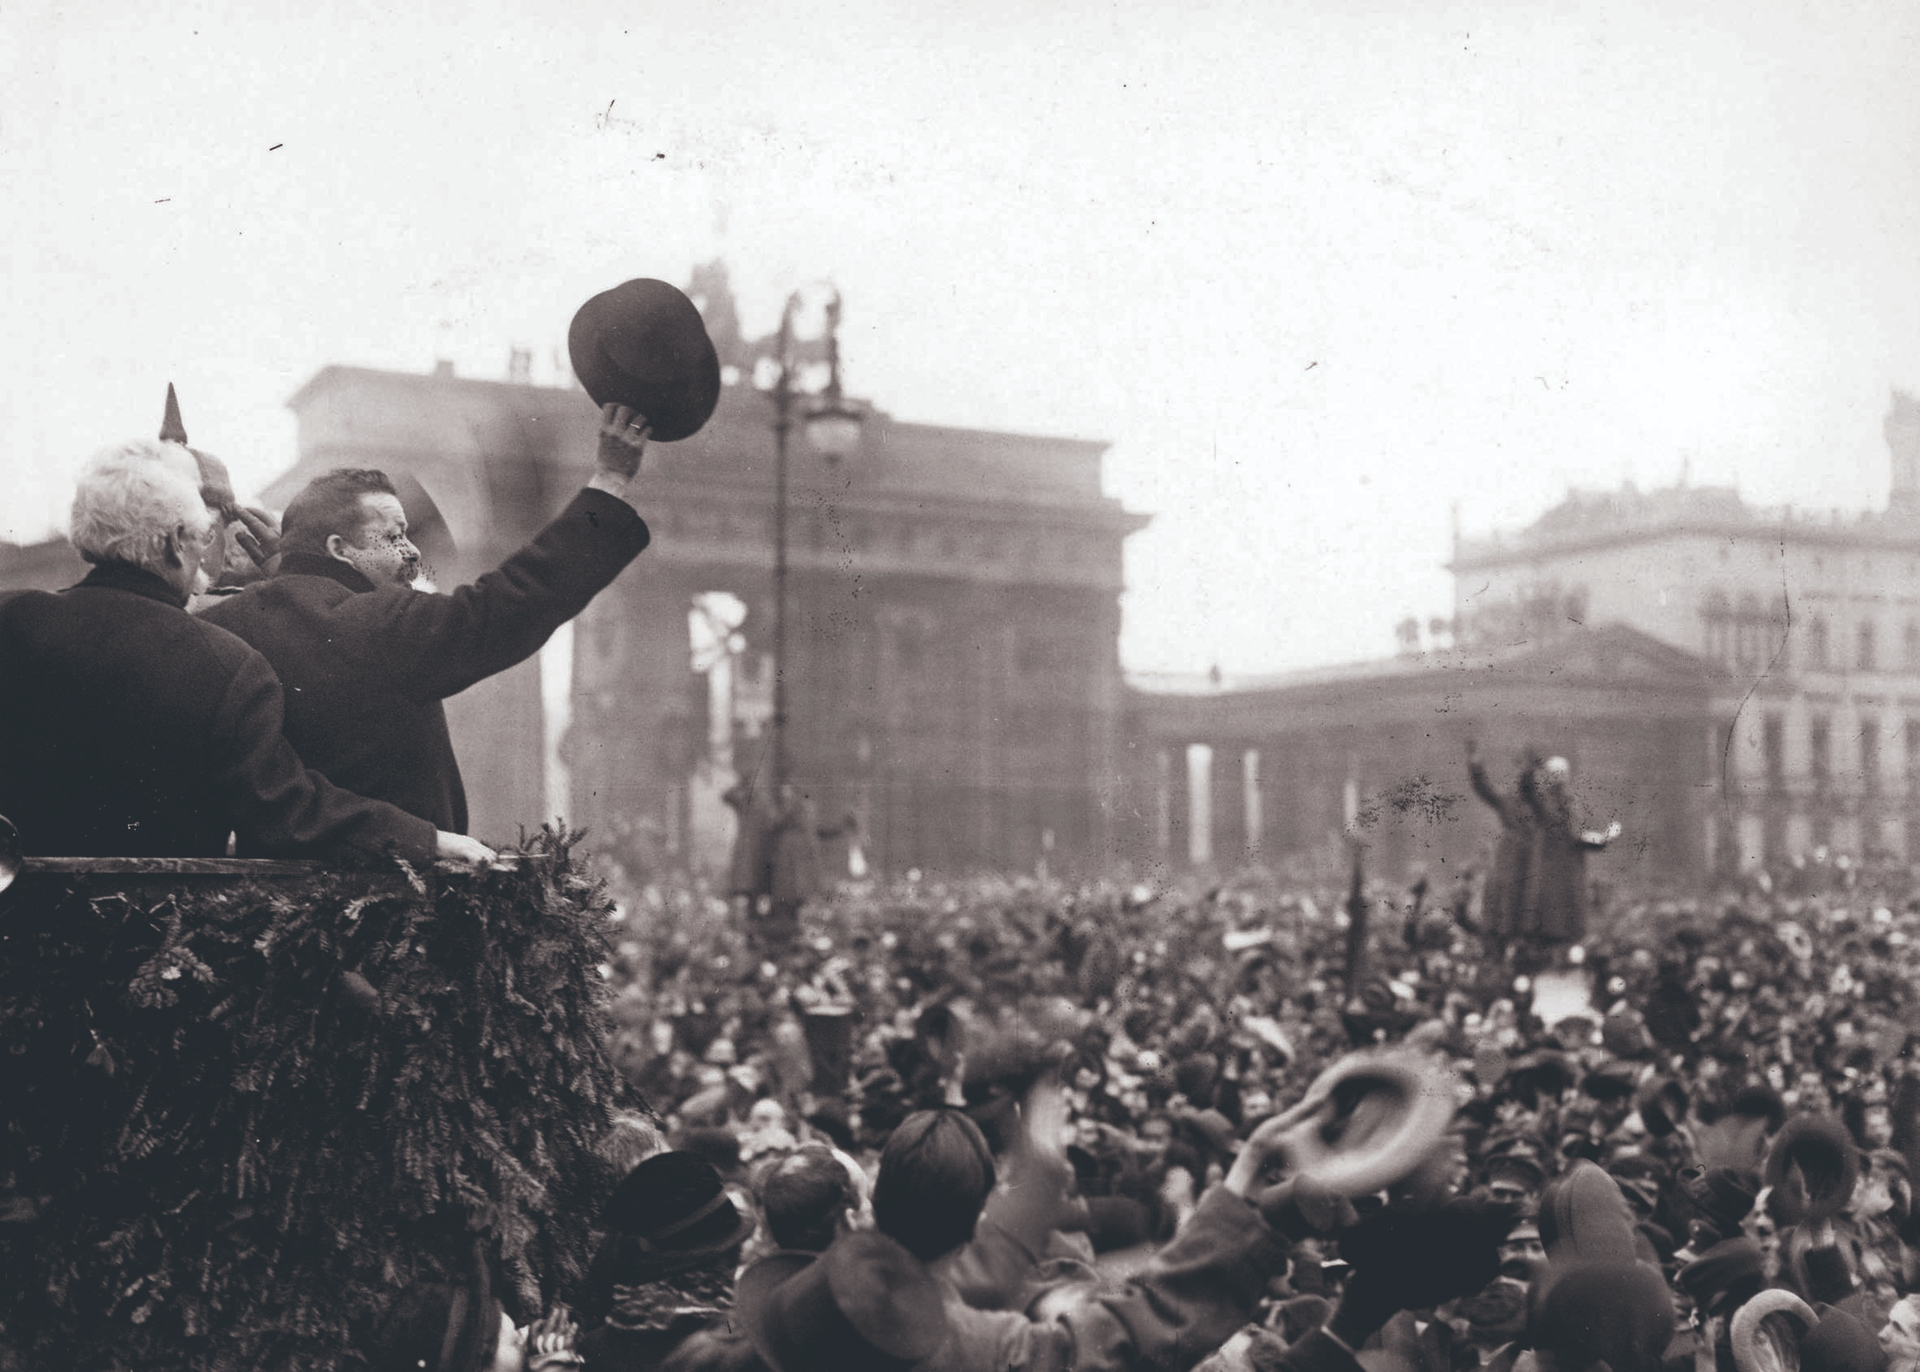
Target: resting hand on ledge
459	848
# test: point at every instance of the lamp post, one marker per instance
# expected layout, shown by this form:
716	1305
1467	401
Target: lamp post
833	429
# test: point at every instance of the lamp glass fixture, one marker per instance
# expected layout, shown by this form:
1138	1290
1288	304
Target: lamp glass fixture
834	431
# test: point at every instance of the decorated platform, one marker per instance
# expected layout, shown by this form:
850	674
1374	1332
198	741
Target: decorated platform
246	1103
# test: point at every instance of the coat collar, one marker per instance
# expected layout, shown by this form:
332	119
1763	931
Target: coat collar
124	576
313	564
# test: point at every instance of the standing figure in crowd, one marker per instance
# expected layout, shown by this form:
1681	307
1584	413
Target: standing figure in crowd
747	876
1554	906
796	873
128	727
367	660
1500	901
776	861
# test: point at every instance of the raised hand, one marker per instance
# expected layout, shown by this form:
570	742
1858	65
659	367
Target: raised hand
1045	1115
259	536
623	441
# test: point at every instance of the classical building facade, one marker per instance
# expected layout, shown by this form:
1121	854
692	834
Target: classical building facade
1811	624
1740	686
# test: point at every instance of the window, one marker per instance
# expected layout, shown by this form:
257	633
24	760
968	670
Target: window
1817	643
1718	614
1820	752
1863	658
1774	740
1750	632
1870	757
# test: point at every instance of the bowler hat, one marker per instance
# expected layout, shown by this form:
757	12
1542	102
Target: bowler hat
676	1203
643	345
864	1305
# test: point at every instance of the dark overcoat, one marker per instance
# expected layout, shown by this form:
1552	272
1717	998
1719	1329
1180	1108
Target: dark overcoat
1554	899
749	870
796	873
366	669
130	728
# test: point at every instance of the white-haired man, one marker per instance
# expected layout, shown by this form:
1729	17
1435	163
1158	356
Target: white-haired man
128	727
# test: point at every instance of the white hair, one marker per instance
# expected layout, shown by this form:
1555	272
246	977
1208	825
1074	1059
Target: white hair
129	498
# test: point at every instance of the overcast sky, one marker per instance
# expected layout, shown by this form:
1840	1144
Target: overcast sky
1318	271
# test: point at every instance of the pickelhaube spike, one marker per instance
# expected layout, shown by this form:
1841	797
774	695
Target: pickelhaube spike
171	429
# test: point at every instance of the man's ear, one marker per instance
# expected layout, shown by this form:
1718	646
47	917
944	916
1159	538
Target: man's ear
176	540
334	544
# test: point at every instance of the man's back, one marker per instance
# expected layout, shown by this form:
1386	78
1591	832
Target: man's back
353	711
130	728
98	748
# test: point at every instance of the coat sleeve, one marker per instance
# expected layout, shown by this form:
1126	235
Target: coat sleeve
280	807
1483	788
1014	1233
1190	1299
435	646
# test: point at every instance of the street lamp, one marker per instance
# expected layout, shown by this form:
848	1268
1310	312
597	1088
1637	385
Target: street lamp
833	430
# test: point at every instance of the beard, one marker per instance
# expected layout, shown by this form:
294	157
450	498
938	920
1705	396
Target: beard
202	583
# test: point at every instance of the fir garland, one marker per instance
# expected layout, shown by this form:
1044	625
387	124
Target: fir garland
241	1114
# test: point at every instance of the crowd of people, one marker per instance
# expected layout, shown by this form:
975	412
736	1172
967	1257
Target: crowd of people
1009	1123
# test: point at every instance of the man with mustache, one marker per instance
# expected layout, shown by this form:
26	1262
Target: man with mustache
367	660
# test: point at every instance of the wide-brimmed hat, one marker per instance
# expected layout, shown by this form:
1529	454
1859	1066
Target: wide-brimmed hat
644	345
864	1305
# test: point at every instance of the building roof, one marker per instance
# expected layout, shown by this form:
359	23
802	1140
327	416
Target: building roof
1615	665
425	412
1590	520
